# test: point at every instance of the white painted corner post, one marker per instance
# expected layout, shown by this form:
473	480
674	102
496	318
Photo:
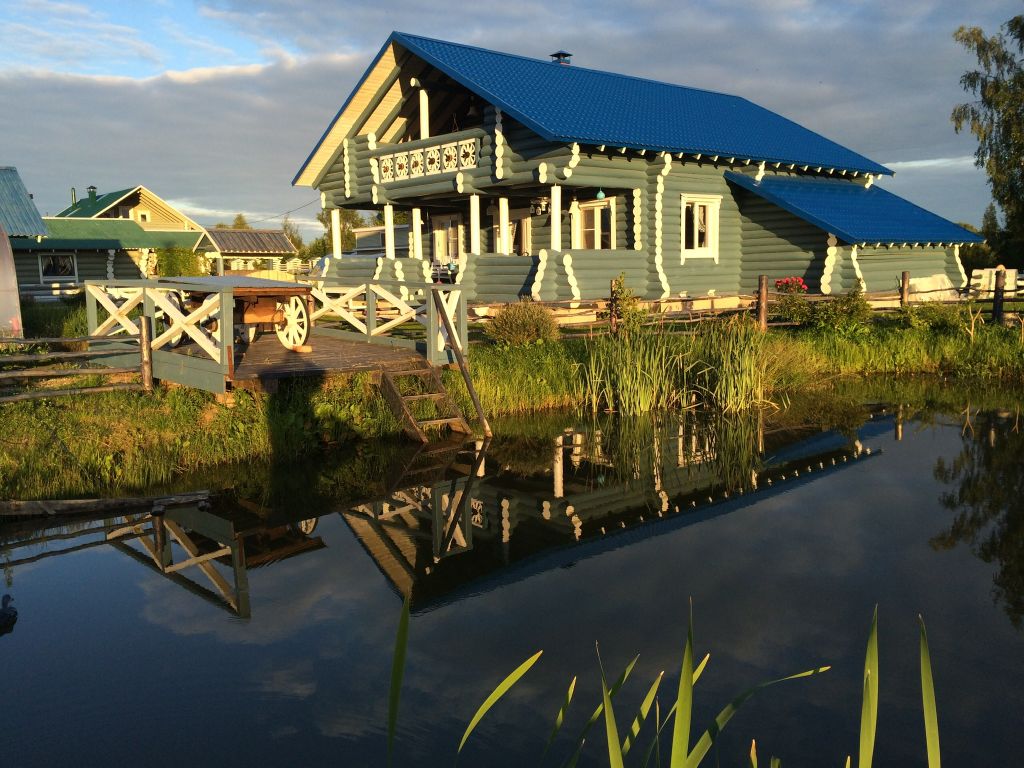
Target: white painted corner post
556	218
474	224
424	108
336	233
416	233
389	231
503	243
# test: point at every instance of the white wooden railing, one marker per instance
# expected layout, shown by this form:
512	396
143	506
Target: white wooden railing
375	310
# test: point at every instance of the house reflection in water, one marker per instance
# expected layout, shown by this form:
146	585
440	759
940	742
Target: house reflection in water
471	516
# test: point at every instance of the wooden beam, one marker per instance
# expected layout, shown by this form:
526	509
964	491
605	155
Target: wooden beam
389	231
556	218
474	224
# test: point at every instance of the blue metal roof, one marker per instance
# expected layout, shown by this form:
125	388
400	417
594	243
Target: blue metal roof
853	213
18	214
574	104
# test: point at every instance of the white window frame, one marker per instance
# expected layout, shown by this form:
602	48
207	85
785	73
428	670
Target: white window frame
440	225
43	280
714	206
577	223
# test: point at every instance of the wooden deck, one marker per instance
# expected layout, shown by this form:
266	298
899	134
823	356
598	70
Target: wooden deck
265	360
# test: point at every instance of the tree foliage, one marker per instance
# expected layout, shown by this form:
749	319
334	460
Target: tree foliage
291	231
320	246
996	116
178	262
239	222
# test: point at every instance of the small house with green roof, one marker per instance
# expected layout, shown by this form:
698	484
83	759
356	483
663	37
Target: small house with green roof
79	249
136	204
544	179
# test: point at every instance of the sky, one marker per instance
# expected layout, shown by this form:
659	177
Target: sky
215	104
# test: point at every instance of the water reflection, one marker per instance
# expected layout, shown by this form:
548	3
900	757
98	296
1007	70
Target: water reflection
988	499
443	520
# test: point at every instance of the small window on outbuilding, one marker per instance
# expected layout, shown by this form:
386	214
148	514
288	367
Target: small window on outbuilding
699	227
58	268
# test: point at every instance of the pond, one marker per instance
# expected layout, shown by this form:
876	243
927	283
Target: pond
258	628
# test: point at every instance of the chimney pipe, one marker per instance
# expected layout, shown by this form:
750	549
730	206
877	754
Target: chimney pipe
91	189
74	197
561	57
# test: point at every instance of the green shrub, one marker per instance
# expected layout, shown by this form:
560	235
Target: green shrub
937	317
846	316
178	262
522	323
624	309
793	308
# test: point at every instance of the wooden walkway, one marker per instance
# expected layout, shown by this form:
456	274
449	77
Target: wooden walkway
265	360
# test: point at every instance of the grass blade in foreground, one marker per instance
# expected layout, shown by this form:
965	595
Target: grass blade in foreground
931	715
684	702
560	717
397	670
641	716
574	758
707	739
611	729
869	709
497	693
656	742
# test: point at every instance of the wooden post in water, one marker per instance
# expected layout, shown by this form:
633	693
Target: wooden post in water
997	297
145	354
762	302
899	420
904	289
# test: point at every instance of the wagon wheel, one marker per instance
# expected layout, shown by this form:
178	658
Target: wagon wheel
307	526
163	322
294	329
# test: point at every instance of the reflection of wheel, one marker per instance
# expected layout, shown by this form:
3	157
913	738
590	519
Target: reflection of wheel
294	329
307	526
164	322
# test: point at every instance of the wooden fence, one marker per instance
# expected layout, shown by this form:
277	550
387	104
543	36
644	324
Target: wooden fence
29	367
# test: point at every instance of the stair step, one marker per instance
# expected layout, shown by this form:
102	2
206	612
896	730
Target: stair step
439	422
411	372
427	396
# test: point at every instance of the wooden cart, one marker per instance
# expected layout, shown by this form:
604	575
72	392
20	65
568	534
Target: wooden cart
260	305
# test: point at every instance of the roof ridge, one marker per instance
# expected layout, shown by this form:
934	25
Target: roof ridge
573	67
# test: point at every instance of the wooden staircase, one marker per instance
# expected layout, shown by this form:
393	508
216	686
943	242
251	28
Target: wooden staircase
420	383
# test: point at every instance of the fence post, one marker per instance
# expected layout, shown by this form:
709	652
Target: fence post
145	353
904	289
371	310
997	297
613	308
762	302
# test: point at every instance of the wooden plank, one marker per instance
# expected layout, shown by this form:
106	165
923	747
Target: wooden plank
42	373
42	394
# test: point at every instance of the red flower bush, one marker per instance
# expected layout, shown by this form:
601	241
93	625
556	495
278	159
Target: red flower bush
793	284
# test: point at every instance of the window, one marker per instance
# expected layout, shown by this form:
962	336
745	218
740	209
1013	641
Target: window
519	237
58	268
447	238
700	227
594	227
144	217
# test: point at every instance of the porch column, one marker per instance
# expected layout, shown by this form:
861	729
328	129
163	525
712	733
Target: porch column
575	228
389	231
503	243
424	108
556	218
416	233
474	224
336	233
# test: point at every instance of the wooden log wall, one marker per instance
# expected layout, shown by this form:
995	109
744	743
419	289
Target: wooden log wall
882	267
697	276
491	278
778	244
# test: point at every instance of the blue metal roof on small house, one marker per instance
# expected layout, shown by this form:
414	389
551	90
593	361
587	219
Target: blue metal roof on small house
574	104
855	213
18	214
